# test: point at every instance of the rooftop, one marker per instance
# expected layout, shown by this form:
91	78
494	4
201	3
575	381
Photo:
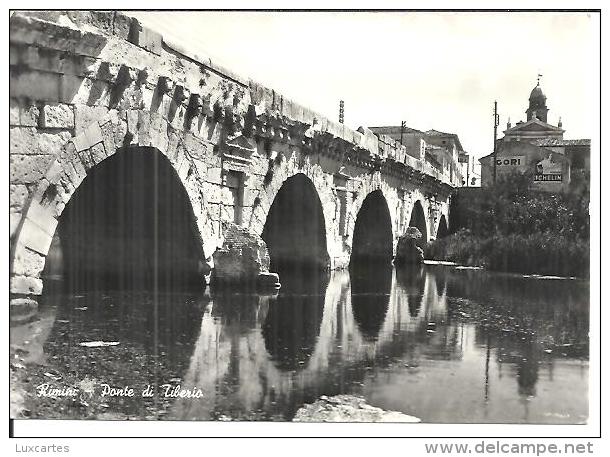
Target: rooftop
558	142
393	129
454	136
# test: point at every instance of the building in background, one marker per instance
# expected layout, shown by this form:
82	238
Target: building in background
442	151
538	148
471	171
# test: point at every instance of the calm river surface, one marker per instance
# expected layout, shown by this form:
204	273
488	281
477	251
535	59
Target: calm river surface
441	343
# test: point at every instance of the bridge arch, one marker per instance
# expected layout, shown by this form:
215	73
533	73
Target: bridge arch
129	224
367	186
443	229
418	219
77	160
372	239
295	228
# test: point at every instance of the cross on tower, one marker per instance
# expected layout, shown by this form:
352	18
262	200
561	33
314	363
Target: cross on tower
539	76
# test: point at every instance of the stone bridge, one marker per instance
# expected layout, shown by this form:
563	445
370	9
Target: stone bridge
122	142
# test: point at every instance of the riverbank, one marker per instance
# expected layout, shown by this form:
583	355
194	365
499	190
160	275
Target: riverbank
512	227
536	253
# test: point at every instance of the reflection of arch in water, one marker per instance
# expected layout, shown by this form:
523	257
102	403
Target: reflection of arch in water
292	324
413	281
370	297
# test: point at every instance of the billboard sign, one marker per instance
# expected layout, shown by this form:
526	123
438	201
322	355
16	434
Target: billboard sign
548	171
513	161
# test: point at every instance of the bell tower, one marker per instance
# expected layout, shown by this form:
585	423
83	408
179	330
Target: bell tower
537	107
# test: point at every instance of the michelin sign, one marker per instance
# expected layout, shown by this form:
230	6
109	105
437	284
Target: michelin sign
547	170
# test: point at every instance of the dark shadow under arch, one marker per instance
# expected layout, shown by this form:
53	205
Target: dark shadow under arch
372	240
129	225
418	219
295	230
443	229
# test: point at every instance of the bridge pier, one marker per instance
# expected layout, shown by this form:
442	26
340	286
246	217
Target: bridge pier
242	261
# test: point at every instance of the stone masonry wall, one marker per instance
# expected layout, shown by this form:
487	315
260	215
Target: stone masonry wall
87	85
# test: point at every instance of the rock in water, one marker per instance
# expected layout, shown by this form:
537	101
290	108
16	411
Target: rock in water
348	408
243	259
407	250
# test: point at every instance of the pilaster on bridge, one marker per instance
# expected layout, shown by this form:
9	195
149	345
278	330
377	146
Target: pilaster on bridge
91	90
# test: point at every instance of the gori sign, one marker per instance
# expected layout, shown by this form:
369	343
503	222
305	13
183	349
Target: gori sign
514	161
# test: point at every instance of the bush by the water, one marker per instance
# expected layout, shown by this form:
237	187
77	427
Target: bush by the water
510	227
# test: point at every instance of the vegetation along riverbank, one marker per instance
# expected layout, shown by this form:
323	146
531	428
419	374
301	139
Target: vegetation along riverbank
512	227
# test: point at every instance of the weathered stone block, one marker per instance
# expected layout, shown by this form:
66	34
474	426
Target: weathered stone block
35	238
121	25
34	85
57	115
102	20
120	133
227	213
18	194
52	35
143	128
214	175
91	136
28	115
54	173
43	215
97	153
133	119
86	159
145	38
26	169
75	171
213	211
84	91
27	140
214	193
250	195
43	59
28	263
72	164
85	115
80	66
25	285
108	135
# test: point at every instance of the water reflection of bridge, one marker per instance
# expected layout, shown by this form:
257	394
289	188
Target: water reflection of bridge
291	351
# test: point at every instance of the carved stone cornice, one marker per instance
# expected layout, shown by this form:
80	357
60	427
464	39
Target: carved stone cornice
237	153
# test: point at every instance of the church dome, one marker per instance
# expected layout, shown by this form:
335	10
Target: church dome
537	95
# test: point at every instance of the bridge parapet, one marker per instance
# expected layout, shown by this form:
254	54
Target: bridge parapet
199	85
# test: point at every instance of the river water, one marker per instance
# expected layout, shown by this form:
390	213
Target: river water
441	343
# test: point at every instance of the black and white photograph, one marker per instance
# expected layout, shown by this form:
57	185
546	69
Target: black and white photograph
233	216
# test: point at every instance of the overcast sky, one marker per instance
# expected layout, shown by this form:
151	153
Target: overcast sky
433	70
